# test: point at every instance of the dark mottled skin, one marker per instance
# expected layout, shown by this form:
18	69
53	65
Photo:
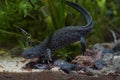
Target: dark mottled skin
62	37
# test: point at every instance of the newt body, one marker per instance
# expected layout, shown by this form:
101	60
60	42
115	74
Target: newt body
62	37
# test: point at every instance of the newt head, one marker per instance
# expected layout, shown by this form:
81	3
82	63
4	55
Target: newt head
34	52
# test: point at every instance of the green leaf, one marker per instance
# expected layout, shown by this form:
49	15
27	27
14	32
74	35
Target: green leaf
61	8
54	13
57	12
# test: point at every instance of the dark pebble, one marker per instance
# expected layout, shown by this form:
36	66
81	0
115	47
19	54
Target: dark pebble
117	47
65	66
99	64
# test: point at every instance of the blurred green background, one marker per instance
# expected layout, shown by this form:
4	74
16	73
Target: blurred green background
41	18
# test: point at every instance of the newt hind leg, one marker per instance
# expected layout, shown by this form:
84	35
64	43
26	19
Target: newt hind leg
83	44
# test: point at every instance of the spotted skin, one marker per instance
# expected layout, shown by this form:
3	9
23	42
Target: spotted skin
62	37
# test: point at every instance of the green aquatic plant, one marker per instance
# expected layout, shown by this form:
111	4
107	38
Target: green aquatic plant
43	17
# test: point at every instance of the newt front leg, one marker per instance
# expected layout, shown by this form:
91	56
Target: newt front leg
47	56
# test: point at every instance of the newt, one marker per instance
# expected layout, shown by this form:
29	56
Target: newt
62	37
